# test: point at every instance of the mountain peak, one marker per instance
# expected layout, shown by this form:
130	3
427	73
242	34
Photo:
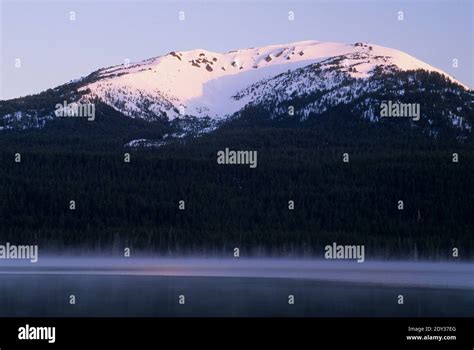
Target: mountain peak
202	83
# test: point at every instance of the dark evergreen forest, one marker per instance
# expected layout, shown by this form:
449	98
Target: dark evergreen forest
135	204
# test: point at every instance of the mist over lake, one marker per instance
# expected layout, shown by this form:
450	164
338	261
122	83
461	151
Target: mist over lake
234	287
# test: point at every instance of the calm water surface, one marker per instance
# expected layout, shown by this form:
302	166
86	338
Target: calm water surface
239	287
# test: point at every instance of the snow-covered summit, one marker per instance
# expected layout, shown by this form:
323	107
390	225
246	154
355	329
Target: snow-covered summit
203	83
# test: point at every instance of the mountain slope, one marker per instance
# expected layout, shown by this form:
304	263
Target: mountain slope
203	83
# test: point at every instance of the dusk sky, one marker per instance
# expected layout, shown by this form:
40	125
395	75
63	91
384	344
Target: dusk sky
54	50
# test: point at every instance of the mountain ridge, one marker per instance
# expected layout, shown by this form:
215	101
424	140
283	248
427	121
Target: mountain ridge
201	83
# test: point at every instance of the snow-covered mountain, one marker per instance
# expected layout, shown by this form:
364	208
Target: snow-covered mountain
205	84
310	76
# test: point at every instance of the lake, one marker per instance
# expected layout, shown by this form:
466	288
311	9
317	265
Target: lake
152	287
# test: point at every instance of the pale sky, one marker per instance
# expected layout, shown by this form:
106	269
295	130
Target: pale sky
54	50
